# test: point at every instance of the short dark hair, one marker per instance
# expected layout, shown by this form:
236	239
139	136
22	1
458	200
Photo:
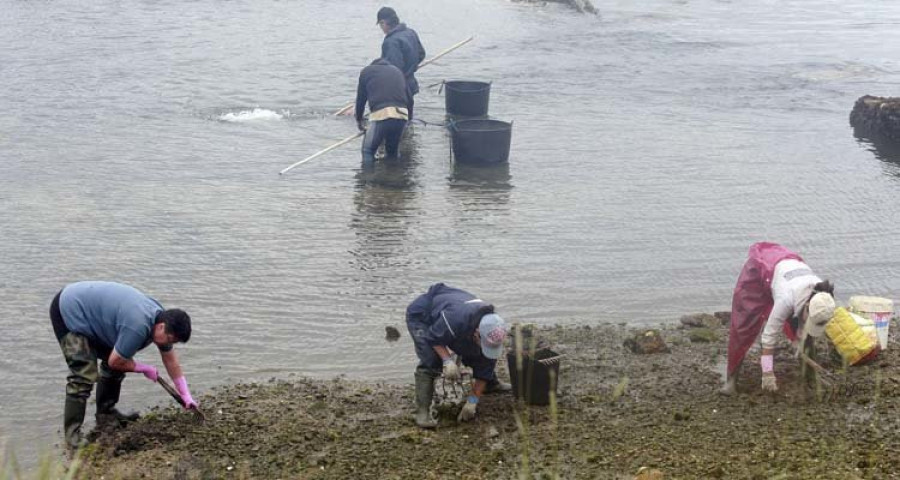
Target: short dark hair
824	286
178	323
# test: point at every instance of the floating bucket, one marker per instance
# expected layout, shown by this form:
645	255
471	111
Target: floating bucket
480	141
467	98
879	310
538	378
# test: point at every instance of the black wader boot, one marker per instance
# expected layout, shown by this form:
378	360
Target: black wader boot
73	419
424	395
108	390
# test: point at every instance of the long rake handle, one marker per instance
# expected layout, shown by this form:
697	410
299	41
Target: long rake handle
322	152
424	62
827	376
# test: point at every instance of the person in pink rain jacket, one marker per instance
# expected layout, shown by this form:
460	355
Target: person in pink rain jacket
776	290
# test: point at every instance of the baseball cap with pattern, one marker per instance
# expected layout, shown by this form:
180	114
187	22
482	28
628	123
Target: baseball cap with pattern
493	331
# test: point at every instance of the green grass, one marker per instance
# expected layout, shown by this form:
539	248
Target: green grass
47	469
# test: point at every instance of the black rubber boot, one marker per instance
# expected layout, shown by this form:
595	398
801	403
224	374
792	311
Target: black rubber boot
73	419
496	386
107	397
424	395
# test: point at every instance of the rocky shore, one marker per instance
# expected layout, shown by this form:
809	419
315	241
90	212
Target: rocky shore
877	117
618	415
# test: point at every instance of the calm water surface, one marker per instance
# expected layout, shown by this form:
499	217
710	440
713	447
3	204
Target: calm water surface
140	142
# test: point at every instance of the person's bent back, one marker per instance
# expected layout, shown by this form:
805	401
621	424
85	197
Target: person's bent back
383	87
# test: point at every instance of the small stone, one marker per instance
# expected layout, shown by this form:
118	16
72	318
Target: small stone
703	335
700	320
646	341
724	317
647	473
391	334
492	432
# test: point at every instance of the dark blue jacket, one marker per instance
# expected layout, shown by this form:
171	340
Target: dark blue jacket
401	47
382	85
452	315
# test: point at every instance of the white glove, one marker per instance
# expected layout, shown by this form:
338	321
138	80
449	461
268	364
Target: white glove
468	411
768	382
451	371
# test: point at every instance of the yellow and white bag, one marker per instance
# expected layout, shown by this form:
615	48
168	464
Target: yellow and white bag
853	343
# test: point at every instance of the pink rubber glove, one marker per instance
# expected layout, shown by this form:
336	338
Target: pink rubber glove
149	371
181	385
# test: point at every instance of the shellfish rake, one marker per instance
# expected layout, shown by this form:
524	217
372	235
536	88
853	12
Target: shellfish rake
198	414
828	384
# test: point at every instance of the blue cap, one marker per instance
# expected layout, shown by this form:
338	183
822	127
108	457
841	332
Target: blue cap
492	330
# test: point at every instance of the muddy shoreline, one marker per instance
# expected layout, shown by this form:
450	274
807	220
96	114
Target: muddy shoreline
616	412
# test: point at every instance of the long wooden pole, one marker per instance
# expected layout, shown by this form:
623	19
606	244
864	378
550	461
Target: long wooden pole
424	62
321	152
446	51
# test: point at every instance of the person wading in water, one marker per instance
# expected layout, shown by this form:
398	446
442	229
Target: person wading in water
402	48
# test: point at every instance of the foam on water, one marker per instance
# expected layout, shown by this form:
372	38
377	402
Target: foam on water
255	115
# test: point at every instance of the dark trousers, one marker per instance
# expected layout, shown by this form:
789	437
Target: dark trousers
387	131
429	361
81	356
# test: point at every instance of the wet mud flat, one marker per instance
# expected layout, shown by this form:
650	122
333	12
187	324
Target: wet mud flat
616	412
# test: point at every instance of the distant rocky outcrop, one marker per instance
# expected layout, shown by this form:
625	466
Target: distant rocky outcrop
877	117
583	6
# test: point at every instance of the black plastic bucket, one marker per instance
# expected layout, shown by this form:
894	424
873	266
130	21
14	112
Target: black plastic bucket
538	378
480	141
467	98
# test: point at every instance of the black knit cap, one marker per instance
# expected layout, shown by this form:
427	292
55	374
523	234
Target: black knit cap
387	13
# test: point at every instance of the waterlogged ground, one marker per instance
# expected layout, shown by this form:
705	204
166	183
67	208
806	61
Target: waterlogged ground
617	412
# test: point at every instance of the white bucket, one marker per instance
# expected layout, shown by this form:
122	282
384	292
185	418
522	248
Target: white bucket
879	310
867	326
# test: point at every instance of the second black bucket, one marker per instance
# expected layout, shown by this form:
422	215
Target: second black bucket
467	98
480	141
538	377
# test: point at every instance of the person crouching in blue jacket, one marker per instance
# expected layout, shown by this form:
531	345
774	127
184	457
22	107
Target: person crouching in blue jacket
444	320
